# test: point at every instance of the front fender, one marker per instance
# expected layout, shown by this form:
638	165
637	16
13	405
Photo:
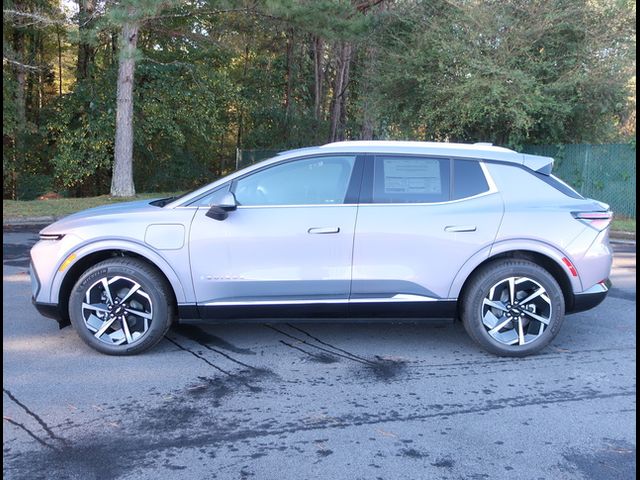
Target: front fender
505	246
183	295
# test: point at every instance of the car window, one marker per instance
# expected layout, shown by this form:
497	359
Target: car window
312	181
468	179
212	198
399	179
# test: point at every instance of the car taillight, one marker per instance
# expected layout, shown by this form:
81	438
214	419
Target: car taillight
598	220
570	266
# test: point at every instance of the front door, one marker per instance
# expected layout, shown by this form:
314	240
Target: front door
289	242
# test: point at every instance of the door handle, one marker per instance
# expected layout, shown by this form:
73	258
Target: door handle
460	228
323	230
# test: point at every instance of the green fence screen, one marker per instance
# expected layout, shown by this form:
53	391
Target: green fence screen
603	172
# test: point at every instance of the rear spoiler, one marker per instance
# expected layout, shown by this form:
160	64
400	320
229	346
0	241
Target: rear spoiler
538	164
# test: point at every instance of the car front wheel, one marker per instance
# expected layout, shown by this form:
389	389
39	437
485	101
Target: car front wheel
513	307
121	306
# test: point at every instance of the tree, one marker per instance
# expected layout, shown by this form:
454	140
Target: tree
135	13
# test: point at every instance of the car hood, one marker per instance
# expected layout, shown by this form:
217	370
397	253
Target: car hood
97	213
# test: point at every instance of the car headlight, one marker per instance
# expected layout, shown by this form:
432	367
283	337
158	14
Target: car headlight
51	236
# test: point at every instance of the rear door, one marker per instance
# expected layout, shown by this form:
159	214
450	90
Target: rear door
420	219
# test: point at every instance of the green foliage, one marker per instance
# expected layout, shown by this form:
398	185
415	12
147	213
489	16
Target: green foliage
505	72
216	75
82	126
182	115
33	186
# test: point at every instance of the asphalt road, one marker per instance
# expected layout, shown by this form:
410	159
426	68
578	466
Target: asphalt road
318	401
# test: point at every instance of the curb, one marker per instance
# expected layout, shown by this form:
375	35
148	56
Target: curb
628	236
17	221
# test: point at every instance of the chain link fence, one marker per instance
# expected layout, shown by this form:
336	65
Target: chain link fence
603	172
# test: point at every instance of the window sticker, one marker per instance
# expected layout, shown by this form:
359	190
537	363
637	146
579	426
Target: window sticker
420	176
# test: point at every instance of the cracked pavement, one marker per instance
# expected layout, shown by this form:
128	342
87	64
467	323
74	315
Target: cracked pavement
330	400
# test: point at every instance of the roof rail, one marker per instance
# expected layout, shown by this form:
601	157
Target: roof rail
484	144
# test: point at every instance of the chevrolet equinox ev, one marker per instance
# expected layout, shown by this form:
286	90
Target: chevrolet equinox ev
369	229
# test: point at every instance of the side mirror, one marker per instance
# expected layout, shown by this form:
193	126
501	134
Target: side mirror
221	210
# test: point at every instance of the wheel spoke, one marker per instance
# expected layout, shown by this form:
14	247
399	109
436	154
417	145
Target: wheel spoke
125	327
138	313
96	307
520	332
107	291
132	290
512	290
499	327
495	304
535	294
536	317
104	327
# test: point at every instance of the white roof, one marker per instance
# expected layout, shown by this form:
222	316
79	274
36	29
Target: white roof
414	144
483	151
478	150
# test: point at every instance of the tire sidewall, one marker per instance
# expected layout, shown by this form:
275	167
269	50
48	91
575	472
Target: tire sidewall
472	315
157	328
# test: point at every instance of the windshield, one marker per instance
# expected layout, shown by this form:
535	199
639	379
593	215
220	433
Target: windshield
164	201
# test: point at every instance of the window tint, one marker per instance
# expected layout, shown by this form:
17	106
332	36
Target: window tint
398	179
468	179
300	182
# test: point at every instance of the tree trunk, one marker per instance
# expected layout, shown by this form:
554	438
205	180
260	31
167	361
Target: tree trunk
21	112
122	178
59	61
245	68
114	47
317	77
289	83
86	51
367	115
339	90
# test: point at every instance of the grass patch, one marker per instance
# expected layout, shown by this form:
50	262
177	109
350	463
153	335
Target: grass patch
624	224
64	206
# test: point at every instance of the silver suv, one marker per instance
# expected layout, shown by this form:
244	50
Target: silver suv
373	229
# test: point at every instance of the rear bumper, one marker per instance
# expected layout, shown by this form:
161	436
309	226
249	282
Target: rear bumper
590	298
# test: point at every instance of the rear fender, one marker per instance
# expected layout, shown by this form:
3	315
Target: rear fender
506	246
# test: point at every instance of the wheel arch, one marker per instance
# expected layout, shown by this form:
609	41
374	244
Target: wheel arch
90	255
549	258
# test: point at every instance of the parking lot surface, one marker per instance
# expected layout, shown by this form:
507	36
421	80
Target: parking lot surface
323	400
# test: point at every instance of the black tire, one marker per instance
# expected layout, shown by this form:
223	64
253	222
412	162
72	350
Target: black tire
152	283
478	289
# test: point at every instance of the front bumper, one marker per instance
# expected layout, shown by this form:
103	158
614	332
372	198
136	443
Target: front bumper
590	298
49	310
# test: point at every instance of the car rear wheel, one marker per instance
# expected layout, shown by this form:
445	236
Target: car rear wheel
513	308
121	306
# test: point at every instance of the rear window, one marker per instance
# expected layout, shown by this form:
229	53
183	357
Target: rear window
468	179
399	179
558	184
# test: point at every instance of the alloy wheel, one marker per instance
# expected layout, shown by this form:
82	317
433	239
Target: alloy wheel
516	311
117	310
